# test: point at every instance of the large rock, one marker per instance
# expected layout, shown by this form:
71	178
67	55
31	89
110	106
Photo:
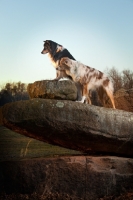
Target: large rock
73	125
75	177
52	89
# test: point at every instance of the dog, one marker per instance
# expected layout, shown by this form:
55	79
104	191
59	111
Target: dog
88	77
56	52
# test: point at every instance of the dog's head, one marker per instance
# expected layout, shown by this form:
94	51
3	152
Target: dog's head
51	47
46	48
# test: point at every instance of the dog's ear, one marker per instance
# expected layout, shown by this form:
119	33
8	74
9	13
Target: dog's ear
46	41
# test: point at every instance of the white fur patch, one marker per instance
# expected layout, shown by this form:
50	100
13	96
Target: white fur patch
82	100
59	48
55	64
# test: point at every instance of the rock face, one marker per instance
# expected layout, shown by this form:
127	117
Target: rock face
53	89
82	177
124	99
73	125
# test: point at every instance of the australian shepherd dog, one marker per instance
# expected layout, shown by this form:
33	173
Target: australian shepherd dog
56	52
88	77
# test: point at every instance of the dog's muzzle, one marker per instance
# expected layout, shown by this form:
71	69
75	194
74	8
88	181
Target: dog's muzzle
44	51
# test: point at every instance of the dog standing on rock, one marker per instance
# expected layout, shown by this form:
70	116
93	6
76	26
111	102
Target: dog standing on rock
56	52
88	77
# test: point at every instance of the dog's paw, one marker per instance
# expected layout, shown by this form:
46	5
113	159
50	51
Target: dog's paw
80	101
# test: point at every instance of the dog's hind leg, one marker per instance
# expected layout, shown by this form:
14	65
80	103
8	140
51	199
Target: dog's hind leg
110	95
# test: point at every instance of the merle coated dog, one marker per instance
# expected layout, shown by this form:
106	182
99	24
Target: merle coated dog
88	77
56	52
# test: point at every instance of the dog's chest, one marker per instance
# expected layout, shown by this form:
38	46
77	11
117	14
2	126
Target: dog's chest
54	63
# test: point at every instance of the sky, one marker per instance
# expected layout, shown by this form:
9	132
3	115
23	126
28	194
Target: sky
98	33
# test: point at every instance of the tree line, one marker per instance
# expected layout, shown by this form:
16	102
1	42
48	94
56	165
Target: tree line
120	80
13	92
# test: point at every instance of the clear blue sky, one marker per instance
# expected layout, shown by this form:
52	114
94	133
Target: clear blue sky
98	33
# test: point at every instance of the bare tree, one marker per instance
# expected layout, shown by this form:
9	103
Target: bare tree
127	79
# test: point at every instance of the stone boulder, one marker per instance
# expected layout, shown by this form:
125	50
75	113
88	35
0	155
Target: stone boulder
52	89
73	125
83	177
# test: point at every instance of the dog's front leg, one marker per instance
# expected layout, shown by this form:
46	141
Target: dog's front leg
58	71
58	75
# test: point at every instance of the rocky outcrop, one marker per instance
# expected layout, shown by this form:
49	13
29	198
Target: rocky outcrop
73	125
83	177
53	89
90	129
